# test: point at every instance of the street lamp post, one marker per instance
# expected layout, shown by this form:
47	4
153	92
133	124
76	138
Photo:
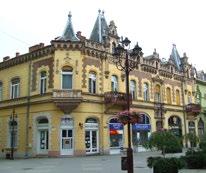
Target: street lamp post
127	60
13	116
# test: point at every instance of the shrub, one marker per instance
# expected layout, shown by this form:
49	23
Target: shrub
165	165
195	159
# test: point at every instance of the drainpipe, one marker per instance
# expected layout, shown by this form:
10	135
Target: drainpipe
28	113
184	114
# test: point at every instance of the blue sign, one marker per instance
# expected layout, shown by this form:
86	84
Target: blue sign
141	127
115	126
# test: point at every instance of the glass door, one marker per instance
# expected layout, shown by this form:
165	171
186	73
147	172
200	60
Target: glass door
66	142
91	139
43	141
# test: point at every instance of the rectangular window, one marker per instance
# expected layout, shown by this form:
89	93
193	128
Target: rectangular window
66	81
14	90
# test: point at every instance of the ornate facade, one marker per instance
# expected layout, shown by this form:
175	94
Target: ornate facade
66	96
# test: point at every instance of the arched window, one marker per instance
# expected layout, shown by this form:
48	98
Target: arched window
1	91
91	120
43	81
191	126
15	88
133	89
116	134
114	83
157	93
13	126
189	98
67	77
175	125
92	82
146	92
200	127
168	93
177	94
141	130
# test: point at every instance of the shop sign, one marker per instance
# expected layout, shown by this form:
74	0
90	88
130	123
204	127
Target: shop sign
144	127
116	126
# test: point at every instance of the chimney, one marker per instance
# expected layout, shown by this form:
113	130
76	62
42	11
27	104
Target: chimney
36	47
17	54
6	58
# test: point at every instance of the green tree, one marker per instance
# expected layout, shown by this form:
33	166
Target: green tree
163	141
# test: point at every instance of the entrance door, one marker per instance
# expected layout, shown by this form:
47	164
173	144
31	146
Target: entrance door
66	142
91	139
43	141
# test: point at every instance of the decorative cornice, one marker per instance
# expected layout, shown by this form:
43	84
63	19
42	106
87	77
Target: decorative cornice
27	57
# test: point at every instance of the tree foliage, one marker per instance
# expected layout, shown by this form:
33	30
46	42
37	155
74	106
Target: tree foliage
163	141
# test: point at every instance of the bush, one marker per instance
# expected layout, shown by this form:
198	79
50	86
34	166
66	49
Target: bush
195	159
165	165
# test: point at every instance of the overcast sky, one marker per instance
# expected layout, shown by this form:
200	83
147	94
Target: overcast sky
153	23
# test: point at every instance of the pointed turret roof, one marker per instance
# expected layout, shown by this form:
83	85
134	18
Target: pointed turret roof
68	33
100	29
175	57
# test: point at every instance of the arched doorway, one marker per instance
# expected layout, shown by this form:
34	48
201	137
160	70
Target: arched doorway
91	136
42	135
67	142
175	125
141	132
115	136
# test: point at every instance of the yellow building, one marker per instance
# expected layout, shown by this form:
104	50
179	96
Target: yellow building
65	96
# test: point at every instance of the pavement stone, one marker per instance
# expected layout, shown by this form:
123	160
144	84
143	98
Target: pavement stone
85	164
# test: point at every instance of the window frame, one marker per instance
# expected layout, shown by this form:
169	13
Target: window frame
114	83
43	82
69	73
132	89
92	86
146	92
15	88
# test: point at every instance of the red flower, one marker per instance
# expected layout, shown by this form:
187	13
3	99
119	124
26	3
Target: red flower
126	117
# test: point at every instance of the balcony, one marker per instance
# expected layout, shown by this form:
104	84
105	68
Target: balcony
116	98
67	100
193	109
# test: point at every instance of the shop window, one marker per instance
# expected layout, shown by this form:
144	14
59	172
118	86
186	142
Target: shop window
116	133
175	125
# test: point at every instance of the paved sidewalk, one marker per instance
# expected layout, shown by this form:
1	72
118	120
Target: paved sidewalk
86	164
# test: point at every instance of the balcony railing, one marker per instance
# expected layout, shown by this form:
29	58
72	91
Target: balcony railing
117	98
193	109
67	100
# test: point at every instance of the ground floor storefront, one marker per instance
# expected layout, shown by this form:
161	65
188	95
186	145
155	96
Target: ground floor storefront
82	132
